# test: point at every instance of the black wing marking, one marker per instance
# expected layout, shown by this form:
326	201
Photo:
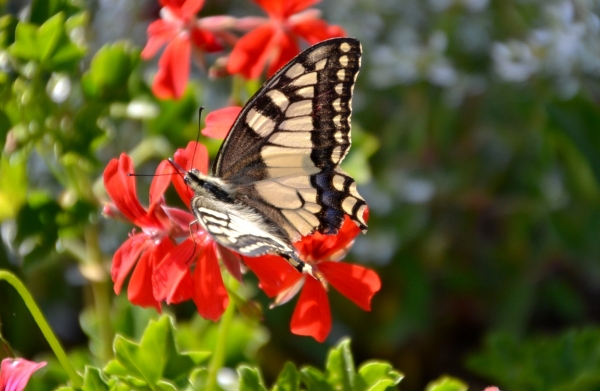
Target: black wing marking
283	151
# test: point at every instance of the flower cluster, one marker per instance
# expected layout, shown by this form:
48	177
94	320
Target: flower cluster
268	41
171	261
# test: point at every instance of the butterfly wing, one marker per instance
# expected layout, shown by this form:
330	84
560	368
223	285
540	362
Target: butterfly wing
283	151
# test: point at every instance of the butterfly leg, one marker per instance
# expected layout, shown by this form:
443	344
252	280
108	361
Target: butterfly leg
301	266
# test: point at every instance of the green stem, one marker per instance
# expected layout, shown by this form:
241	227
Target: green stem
76	380
218	357
100	289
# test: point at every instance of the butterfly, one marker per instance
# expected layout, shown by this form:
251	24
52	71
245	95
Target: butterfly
276	176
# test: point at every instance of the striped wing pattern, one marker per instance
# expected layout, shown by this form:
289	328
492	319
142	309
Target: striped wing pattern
282	154
240	229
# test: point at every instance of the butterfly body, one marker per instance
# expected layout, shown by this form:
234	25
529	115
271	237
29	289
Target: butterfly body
276	177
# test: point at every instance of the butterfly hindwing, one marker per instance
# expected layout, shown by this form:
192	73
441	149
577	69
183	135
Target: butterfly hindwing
237	228
283	151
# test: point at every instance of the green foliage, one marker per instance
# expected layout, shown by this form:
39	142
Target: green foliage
340	374
446	383
570	361
47	45
108	76
155	361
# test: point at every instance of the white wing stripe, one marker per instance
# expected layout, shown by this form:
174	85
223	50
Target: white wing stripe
279	98
306	79
292	139
278	195
295	71
259	123
297	123
321	64
306	92
303	107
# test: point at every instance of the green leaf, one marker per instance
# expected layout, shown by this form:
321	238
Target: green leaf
314	380
250	379
289	379
166	386
49	36
42	10
109	72
541	363
37	223
114	368
13	187
148	359
8	26
446	383
340	370
578	118
377	376
198	378
155	358
25	46
48	45
92	380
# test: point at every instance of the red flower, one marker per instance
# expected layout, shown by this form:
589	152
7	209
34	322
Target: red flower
173	278
145	249
275	40
312	315
15	373
219	122
163	268
179	28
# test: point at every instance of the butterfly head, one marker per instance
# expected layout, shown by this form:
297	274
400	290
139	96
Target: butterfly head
207	186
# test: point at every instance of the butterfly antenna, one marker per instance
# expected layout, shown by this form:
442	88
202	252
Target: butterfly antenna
152	175
198	136
177	168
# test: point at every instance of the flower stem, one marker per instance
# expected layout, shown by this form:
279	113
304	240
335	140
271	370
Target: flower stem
76	380
101	293
218	357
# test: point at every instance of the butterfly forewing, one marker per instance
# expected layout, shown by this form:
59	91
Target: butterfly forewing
282	154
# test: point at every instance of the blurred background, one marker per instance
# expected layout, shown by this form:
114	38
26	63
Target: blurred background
476	145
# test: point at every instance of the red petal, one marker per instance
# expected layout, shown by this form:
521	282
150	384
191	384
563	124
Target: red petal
159	33
294	6
273	272
122	190
125	258
281	9
252	51
287	48
311	316
357	283
172	280
181	219
317	30
184	9
15	373
160	182
210	294
205	40
232	262
139	291
174	69
220	121
328	247
195	155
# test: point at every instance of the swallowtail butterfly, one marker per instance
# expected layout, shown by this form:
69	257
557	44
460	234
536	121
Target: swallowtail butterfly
277	176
